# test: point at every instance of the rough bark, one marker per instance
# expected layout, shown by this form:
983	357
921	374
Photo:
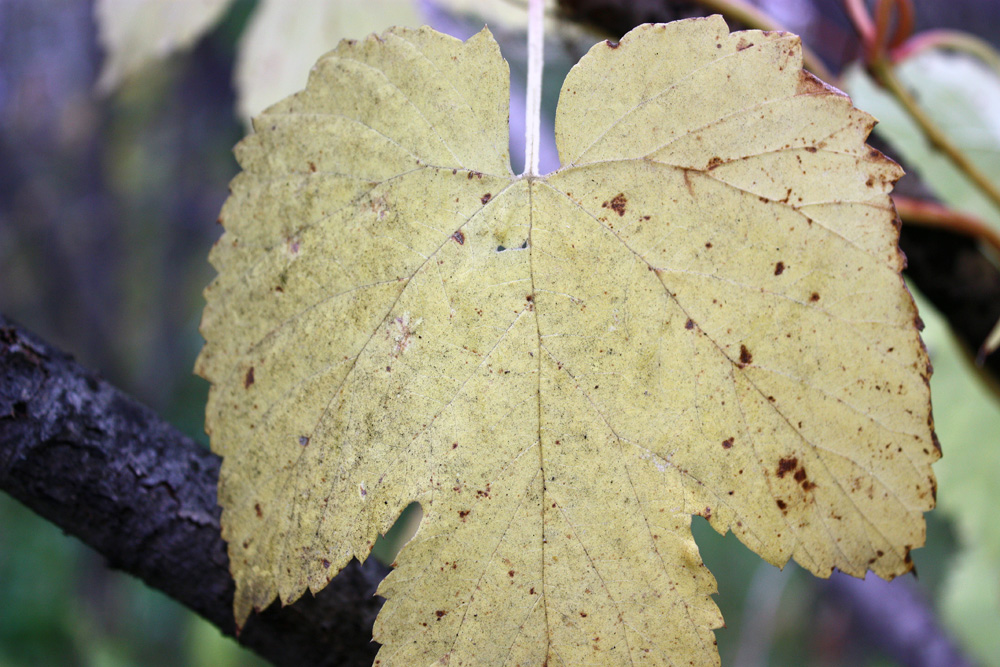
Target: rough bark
108	470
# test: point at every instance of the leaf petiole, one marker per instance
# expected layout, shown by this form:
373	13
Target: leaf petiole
533	97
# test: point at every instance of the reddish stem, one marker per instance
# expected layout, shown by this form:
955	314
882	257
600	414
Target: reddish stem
932	214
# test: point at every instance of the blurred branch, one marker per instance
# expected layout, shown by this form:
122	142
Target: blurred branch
897	618
878	45
885	73
108	470
961	282
862	20
760	614
931	214
950	40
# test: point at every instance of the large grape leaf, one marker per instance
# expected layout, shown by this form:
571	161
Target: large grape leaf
701	312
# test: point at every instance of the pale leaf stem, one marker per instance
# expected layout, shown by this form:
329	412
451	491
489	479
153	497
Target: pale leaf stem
533	97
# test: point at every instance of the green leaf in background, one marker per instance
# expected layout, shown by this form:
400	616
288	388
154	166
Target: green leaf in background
967	420
961	95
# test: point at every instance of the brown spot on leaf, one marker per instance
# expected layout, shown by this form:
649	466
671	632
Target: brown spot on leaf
689	324
303	440
326	564
779	268
510	573
714	162
809	84
782	505
811	149
803	479
610	44
745	356
248	379
462	514
312	166
617	204
485	198
459	237
257	509
440	613
787	464
728	443
814	297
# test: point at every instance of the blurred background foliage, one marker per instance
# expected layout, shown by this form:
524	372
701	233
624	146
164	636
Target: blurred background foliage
109	188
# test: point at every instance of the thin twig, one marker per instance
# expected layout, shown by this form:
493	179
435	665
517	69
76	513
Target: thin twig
904	23
931	214
886	75
862	20
951	40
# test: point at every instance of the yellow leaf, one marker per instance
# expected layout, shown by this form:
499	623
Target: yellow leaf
135	32
701	312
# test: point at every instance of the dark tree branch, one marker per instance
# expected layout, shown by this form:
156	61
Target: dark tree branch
961	281
108	470
897	618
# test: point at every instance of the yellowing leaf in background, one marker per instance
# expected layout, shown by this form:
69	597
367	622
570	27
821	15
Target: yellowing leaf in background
284	39
700	312
135	32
